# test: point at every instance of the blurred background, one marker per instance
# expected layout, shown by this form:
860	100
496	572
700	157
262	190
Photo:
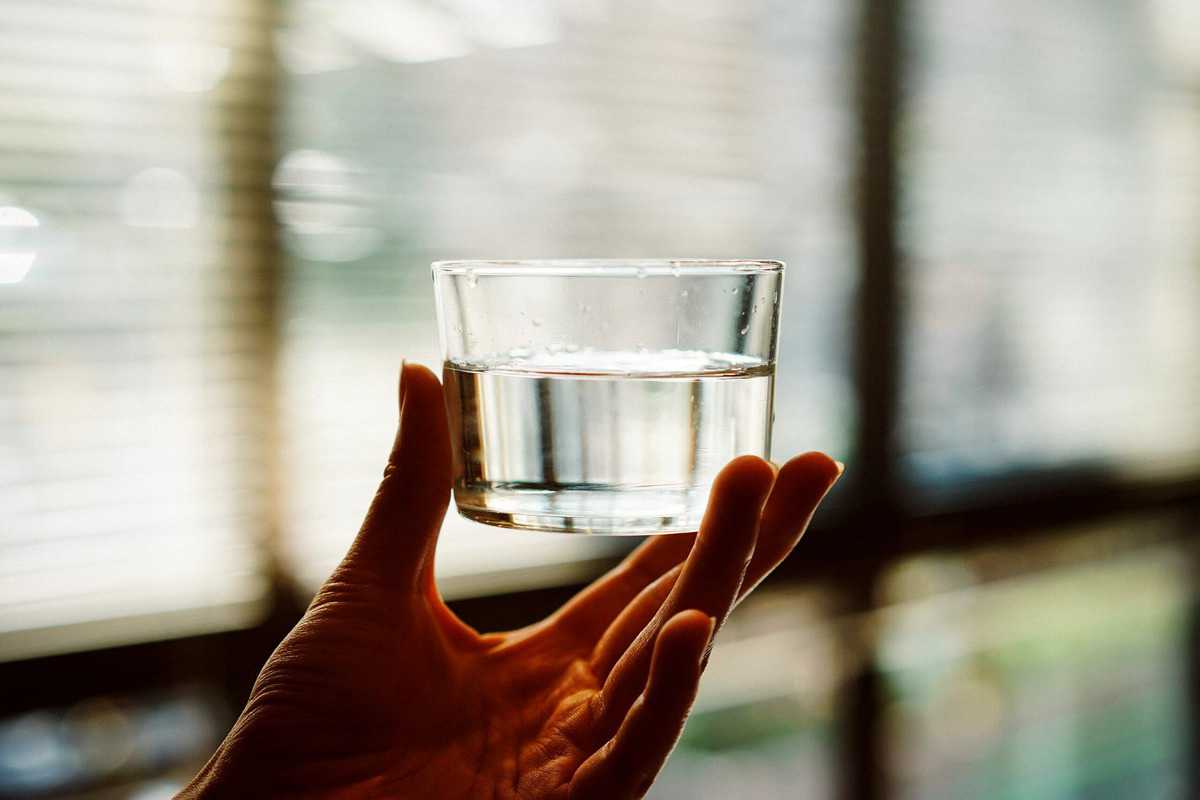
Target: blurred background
216	220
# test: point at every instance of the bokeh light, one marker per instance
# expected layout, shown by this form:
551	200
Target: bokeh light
323	202
18	229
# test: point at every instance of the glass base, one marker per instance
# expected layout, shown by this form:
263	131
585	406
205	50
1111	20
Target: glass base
598	510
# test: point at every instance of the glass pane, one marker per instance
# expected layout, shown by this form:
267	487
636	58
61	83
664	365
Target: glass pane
1051	167
1041	681
417	131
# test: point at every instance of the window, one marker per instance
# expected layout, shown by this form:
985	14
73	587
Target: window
131	489
1051	165
216	221
141	139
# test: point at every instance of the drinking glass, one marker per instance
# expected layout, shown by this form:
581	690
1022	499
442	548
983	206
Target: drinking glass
603	396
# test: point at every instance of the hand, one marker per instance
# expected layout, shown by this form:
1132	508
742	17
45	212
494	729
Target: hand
380	691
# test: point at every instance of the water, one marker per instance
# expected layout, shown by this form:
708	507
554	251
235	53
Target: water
602	442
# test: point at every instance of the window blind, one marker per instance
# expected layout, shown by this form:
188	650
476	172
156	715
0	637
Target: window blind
131	318
1052	165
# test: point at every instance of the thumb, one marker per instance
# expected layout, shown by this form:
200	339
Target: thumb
398	537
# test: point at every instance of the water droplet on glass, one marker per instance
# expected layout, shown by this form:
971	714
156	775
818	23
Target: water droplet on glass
684	293
745	329
584	308
641	272
537	323
472	278
733	290
675	270
572	348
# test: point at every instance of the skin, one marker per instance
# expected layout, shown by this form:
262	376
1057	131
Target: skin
380	691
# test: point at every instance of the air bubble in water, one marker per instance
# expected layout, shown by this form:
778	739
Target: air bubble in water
744	330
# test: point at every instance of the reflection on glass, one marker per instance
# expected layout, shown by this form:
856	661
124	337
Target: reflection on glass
1051	158
571	130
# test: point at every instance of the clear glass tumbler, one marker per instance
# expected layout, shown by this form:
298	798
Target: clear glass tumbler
603	396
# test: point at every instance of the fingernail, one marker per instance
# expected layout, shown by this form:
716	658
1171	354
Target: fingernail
403	365
712	626
840	468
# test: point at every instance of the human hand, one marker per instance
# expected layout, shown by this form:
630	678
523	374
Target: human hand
380	691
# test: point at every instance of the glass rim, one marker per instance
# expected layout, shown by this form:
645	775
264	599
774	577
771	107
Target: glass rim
607	266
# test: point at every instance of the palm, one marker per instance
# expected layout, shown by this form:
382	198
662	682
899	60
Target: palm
380	691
